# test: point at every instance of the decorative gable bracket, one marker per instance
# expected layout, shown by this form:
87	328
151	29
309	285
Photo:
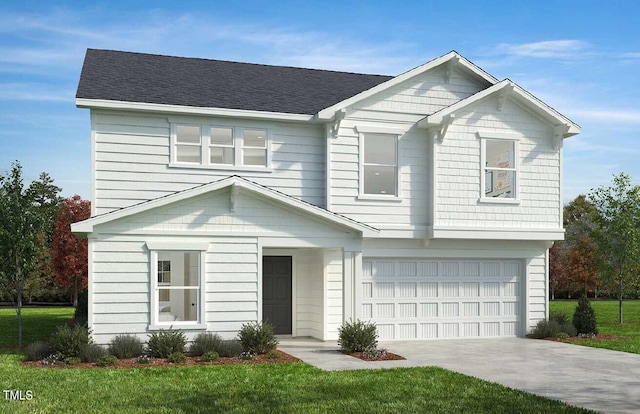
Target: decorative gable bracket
559	132
337	120
448	71
439	131
233	197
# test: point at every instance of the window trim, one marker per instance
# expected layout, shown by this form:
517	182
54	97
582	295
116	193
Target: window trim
485	136
154	249
362	133
206	145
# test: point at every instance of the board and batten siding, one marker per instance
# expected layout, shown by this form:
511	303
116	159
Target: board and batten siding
131	159
400	107
458	171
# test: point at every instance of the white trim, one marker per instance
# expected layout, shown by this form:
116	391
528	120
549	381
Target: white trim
484	137
223	167
328	113
259	276
381	197
373	129
561	185
526	317
90	282
191	110
498	200
481	233
327	167
201	246
488	134
94	192
87	226
361	194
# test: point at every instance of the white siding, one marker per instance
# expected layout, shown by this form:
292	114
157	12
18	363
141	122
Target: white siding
132	157
538	290
458	171
309	294
334	292
399	107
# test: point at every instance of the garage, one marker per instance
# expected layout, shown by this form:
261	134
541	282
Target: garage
428	299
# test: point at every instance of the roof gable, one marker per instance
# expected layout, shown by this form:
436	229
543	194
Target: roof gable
235	183
564	126
109	75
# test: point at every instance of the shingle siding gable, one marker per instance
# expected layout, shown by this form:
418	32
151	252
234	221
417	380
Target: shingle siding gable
157	79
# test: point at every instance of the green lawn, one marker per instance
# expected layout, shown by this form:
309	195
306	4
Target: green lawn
38	324
607	320
277	388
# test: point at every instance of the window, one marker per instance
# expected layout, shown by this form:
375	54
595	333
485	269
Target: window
379	164
177	297
221	147
499	175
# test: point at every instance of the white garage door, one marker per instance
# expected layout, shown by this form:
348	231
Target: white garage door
420	299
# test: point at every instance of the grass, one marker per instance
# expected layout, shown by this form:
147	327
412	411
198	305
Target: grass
607	322
281	388
37	324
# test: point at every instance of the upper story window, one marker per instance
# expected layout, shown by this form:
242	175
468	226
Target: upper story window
379	172
499	180
217	146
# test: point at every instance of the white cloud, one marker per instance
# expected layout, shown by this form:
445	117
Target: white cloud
34	92
562	49
626	116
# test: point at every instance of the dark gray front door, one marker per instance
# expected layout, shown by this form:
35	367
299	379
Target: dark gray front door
276	292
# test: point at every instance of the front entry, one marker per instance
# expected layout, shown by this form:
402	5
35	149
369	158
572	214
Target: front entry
276	293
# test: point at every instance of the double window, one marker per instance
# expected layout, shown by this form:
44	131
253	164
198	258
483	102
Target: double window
499	180
379	165
218	146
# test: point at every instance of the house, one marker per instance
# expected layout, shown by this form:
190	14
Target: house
224	193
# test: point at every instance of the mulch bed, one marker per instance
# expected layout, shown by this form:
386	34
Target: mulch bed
386	357
191	361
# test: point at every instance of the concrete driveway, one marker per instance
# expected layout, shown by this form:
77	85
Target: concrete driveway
597	379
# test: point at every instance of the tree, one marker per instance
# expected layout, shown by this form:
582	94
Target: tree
70	252
581	266
617	233
557	270
578	218
21	222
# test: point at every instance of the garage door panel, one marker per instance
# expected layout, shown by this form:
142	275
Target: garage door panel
418	299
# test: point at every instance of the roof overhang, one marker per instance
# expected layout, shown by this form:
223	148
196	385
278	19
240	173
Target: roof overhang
563	126
451	59
235	183
189	110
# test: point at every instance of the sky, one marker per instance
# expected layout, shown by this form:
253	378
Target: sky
580	57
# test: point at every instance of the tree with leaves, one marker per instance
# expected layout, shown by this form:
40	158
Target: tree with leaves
581	266
617	233
21	222
70	252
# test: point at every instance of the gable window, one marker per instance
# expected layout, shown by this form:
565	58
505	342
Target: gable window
499	179
379	164
215	146
176	289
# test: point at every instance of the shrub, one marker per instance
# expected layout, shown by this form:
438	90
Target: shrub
107	361
209	356
126	346
53	359
177	358
72	361
273	355
584	317
69	341
257	337
92	353
546	329
205	342
566	326
37	350
165	342
356	336
247	356
231	348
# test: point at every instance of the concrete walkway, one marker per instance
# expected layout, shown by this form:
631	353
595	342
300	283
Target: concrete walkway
597	379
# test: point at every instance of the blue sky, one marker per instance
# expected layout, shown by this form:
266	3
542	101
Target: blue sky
581	57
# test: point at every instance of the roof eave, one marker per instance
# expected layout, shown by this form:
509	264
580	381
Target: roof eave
189	110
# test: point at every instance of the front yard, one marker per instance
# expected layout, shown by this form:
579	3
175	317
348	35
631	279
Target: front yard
281	388
607	322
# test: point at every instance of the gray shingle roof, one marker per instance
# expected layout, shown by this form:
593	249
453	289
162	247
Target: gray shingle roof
139	77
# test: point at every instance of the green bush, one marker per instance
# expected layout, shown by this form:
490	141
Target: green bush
92	353
231	348
165	342
584	317
273	355
69	341
37	350
143	359
176	358
126	346
72	361
107	361
257	337
205	342
209	356
546	329
356	336
566	326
